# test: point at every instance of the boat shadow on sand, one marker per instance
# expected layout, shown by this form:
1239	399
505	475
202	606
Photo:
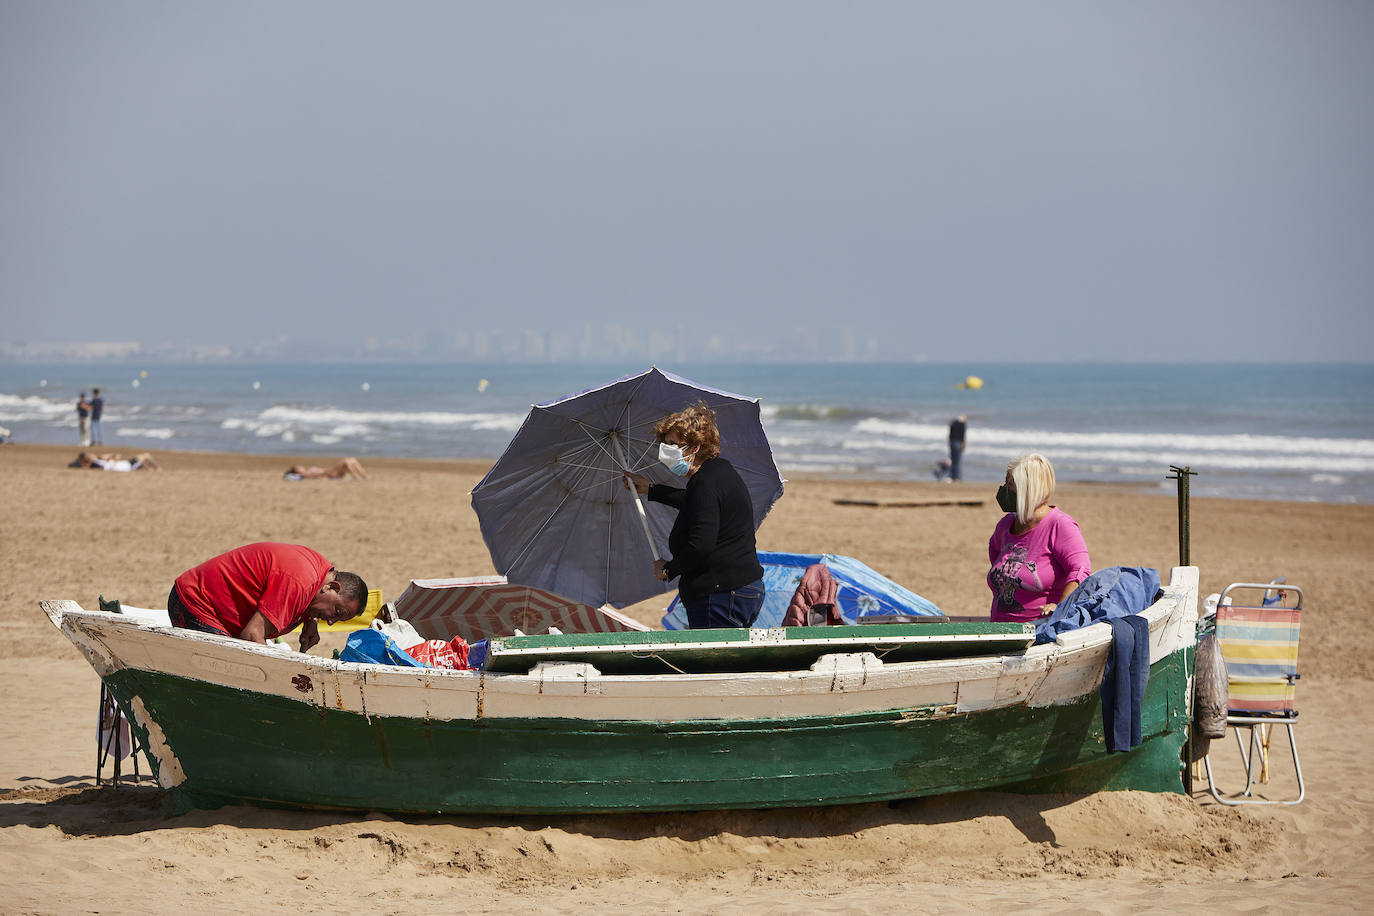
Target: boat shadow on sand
78	808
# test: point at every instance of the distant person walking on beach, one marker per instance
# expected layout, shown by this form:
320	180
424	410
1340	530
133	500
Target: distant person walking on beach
262	590
97	408
957	428
83	418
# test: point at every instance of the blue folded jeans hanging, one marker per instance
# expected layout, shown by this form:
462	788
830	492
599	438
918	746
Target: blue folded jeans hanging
1124	680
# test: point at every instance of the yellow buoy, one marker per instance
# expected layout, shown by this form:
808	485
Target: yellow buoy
481	384
972	383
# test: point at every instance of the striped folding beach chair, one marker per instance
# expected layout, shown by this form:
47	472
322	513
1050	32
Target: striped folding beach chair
1260	646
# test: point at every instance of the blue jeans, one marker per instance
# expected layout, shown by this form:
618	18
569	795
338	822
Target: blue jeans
956	461
736	608
97	433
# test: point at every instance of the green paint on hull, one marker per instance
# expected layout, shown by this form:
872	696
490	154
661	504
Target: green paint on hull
696	651
236	746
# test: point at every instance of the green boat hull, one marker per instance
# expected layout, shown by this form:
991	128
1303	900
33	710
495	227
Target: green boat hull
238	746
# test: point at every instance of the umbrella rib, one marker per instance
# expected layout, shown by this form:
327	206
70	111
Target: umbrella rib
641	460
588	489
594	446
610	529
544	524
625	404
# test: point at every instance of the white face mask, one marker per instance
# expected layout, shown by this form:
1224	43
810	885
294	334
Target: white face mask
673	458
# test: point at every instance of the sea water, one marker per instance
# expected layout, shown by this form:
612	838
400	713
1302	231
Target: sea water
1296	432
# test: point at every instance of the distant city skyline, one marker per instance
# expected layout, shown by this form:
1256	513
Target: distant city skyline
606	342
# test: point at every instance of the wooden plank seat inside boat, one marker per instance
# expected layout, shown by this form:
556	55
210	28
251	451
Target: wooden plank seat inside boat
777	649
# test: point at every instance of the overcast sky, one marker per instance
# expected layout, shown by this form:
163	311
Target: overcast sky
965	180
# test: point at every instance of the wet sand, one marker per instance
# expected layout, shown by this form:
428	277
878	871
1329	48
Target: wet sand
68	846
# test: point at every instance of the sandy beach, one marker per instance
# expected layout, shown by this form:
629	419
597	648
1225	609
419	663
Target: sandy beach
69	846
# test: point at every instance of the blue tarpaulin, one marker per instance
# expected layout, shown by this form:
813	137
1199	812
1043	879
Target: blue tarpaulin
371	647
862	591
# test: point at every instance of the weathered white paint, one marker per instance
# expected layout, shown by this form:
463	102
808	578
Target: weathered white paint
837	684
169	772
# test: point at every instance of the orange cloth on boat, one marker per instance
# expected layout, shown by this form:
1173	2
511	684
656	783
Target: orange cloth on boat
814	600
280	580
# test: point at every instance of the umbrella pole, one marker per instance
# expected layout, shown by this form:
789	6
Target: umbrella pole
639	503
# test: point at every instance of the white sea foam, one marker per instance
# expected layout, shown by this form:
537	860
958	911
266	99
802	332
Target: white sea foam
15	407
1045	439
817	466
134	433
1130	462
333	417
889	445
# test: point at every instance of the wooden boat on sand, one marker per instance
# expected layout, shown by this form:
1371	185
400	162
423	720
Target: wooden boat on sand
645	721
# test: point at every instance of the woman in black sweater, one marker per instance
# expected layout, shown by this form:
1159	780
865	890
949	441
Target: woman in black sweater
712	541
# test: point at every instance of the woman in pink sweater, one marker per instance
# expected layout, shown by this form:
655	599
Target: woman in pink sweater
1037	552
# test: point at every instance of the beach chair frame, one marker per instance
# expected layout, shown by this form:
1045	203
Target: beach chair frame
108	742
112	724
1259	724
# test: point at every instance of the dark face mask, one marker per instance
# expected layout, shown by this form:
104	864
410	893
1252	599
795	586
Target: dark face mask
1006	498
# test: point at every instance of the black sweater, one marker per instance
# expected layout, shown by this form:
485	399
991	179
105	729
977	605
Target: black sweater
713	538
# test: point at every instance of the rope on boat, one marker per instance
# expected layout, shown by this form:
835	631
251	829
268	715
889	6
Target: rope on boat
655	655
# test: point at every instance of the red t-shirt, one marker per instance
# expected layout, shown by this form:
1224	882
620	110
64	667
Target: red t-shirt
278	579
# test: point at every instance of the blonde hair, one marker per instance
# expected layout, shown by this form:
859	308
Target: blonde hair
696	426
1034	478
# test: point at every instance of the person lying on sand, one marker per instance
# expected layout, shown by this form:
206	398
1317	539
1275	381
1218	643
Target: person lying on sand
143	461
347	467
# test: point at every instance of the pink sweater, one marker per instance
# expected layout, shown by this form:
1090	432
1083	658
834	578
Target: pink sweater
1031	570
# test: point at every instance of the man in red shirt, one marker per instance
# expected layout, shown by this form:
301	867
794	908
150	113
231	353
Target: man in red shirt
262	590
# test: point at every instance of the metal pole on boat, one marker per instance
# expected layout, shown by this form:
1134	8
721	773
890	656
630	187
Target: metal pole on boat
639	504
1181	475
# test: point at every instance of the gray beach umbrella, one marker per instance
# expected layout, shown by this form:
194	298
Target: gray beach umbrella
555	511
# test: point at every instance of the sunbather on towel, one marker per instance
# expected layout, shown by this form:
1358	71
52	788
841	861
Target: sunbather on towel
143	461
262	590
347	467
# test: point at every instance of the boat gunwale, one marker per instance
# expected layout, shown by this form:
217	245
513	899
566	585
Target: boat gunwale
1066	647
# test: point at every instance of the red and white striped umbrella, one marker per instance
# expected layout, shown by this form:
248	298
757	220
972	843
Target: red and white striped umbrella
480	607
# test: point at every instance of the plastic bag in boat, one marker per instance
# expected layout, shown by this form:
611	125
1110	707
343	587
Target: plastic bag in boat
435	653
374	648
399	630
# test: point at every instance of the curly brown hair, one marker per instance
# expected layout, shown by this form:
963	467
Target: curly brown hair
696	426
